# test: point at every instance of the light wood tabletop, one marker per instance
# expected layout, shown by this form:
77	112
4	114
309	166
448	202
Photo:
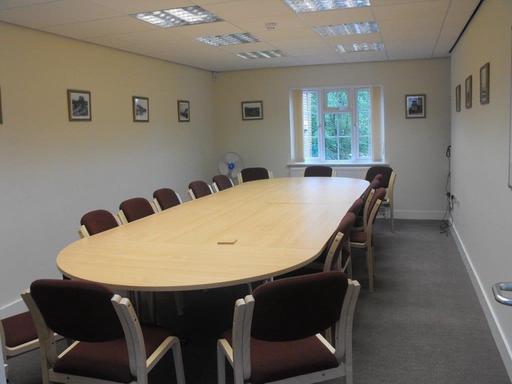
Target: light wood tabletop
247	233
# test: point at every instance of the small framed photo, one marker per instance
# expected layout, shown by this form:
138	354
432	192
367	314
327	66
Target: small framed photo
469	91
1	116
183	111
79	105
484	83
252	110
140	107
457	98
415	106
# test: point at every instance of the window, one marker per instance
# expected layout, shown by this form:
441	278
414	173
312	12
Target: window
337	124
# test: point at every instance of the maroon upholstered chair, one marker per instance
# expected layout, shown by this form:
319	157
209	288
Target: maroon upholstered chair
110	344
165	198
319	171
198	189
221	182
388	181
252	174
363	238
95	222
276	331
135	209
17	336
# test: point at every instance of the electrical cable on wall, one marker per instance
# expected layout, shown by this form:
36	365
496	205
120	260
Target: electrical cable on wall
447	217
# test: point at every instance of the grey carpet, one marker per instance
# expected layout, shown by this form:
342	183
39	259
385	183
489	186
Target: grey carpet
423	323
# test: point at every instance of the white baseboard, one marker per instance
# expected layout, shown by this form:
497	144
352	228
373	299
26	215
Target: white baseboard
411	214
12	308
494	324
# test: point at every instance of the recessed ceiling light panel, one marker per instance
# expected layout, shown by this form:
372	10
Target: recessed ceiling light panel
261	54
324	5
232	38
360	47
178	16
347	29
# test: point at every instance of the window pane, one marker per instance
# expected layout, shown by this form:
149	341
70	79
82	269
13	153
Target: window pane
346	124
345	148
364	147
310	123
363	101
331	148
331	124
337	99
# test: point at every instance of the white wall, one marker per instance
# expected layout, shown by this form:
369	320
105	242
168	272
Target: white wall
52	171
414	147
480	138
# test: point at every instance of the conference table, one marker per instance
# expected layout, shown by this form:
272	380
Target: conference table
247	233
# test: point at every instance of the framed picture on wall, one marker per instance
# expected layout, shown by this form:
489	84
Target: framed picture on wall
457	98
183	111
468	90
1	116
484	83
415	106
79	105
140	107
252	110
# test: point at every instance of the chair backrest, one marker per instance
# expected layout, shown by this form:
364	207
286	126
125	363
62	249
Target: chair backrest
377	181
166	198
375	197
98	221
318	171
222	182
385	171
77	310
255	173
136	208
199	189
357	207
298	307
341	238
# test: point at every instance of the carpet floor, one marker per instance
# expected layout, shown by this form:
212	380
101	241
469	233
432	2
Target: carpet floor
423	323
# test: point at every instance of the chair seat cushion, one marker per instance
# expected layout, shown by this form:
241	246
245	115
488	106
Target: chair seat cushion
107	360
358	237
19	329
272	360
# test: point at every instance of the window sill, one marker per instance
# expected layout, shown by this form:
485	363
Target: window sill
360	163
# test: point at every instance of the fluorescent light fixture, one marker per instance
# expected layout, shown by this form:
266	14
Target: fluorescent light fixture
177	17
347	29
261	54
324	5
360	47
232	38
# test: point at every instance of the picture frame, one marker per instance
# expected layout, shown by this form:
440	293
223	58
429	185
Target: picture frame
468	91
457	97
1	115
79	105
252	110
183	111
485	73
416	106
140	109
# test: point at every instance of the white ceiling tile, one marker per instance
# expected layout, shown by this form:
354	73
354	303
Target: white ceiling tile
57	12
287	27
417	11
250	9
380	3
251	47
348	39
354	57
134	6
6	4
95	28
198	30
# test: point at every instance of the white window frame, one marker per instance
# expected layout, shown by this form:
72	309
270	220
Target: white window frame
352	108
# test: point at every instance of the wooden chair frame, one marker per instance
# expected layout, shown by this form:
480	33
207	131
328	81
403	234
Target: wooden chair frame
239	353
388	200
193	197
368	243
139	365
156	204
216	187
241	180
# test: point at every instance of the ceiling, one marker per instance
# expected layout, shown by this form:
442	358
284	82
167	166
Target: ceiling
409	29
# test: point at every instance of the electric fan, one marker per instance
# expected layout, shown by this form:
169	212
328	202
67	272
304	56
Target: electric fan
230	165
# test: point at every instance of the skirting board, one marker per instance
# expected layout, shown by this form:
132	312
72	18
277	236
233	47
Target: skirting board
494	325
12	308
